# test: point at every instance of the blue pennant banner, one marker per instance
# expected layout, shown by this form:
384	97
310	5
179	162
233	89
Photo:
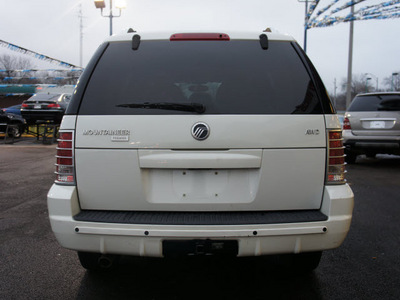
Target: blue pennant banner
381	11
37	55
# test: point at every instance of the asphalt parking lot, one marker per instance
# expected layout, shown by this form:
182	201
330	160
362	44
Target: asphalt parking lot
34	266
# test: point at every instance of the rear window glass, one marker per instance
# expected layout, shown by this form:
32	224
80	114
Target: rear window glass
232	77
388	102
44	97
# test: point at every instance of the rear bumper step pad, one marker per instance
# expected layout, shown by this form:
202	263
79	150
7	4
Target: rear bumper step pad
200	218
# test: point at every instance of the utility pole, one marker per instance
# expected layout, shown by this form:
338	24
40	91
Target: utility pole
80	35
394	74
305	24
111	16
334	92
350	61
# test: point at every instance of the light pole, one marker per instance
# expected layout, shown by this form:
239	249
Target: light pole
350	60
393	74
305	25
366	84
102	4
376	78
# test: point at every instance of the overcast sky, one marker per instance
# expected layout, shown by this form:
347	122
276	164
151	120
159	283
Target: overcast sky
52	27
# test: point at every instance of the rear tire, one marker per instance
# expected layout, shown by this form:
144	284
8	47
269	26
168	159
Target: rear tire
15	132
97	262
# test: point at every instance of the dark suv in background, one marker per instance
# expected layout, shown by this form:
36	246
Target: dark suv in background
372	125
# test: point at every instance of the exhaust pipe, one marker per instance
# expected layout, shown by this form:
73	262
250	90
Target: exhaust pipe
106	262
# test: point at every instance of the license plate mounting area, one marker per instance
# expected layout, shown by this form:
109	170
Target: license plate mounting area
182	248
377	124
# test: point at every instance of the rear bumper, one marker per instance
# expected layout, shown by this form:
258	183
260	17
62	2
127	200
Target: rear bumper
376	144
253	240
31	116
4	126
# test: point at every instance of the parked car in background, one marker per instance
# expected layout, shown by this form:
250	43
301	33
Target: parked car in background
341	118
372	125
7	119
45	107
15	109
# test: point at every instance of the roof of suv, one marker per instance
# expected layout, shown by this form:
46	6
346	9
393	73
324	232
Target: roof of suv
378	94
165	35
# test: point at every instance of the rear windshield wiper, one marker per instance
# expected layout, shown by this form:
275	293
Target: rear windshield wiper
193	107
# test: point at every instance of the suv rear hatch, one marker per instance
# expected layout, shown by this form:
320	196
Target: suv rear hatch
266	148
375	115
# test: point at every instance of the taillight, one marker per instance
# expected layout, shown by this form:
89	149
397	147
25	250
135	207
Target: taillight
65	169
24	105
53	105
346	124
199	37
336	163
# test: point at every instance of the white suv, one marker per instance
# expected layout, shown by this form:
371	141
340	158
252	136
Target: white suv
200	144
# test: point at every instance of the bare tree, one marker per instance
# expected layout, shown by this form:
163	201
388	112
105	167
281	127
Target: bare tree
340	101
359	84
16	72
12	63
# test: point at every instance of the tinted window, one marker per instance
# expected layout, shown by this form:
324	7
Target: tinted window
375	103
44	97
234	77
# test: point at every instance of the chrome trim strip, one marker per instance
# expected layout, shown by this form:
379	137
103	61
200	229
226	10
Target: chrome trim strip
201	233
